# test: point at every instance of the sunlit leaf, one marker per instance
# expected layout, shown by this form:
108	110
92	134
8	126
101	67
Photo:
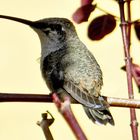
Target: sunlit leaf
86	2
137	29
135	73
101	26
82	14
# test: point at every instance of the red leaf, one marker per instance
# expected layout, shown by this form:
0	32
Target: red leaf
137	29
135	73
101	26
82	14
86	2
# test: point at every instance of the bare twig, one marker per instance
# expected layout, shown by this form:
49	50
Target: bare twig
128	62
106	12
14	97
120	102
129	22
67	113
38	98
45	123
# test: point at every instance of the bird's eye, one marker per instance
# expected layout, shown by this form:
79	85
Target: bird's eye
57	28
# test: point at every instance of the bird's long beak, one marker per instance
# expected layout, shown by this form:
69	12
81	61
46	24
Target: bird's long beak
33	24
24	21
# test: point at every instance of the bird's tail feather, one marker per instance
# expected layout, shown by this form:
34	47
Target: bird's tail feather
99	116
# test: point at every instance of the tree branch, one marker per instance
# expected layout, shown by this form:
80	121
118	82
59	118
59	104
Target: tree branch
44	98
45	123
106	12
121	102
129	23
68	115
20	97
128	62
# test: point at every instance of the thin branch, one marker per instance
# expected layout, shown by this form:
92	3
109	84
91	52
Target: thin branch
45	124
121	102
128	4
20	97
106	12
128	62
67	113
44	98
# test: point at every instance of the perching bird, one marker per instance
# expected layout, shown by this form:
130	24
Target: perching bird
68	67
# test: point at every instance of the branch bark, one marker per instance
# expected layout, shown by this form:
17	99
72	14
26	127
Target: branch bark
45	124
121	102
44	98
128	62
68	115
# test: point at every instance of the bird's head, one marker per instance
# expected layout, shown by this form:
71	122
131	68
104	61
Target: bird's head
57	28
53	32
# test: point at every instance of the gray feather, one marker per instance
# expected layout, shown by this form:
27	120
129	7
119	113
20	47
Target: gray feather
81	76
87	100
68	67
99	116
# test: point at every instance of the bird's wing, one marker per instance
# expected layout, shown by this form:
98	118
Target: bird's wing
83	97
83	79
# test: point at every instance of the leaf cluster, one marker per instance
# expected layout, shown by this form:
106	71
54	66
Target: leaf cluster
101	26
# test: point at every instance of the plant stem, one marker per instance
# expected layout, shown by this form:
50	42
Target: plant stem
120	102
128	4
20	97
45	124
106	12
128	63
68	115
42	98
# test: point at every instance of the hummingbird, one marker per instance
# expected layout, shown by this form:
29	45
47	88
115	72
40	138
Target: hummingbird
68	67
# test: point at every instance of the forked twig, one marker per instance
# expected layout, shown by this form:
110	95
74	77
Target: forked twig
45	124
